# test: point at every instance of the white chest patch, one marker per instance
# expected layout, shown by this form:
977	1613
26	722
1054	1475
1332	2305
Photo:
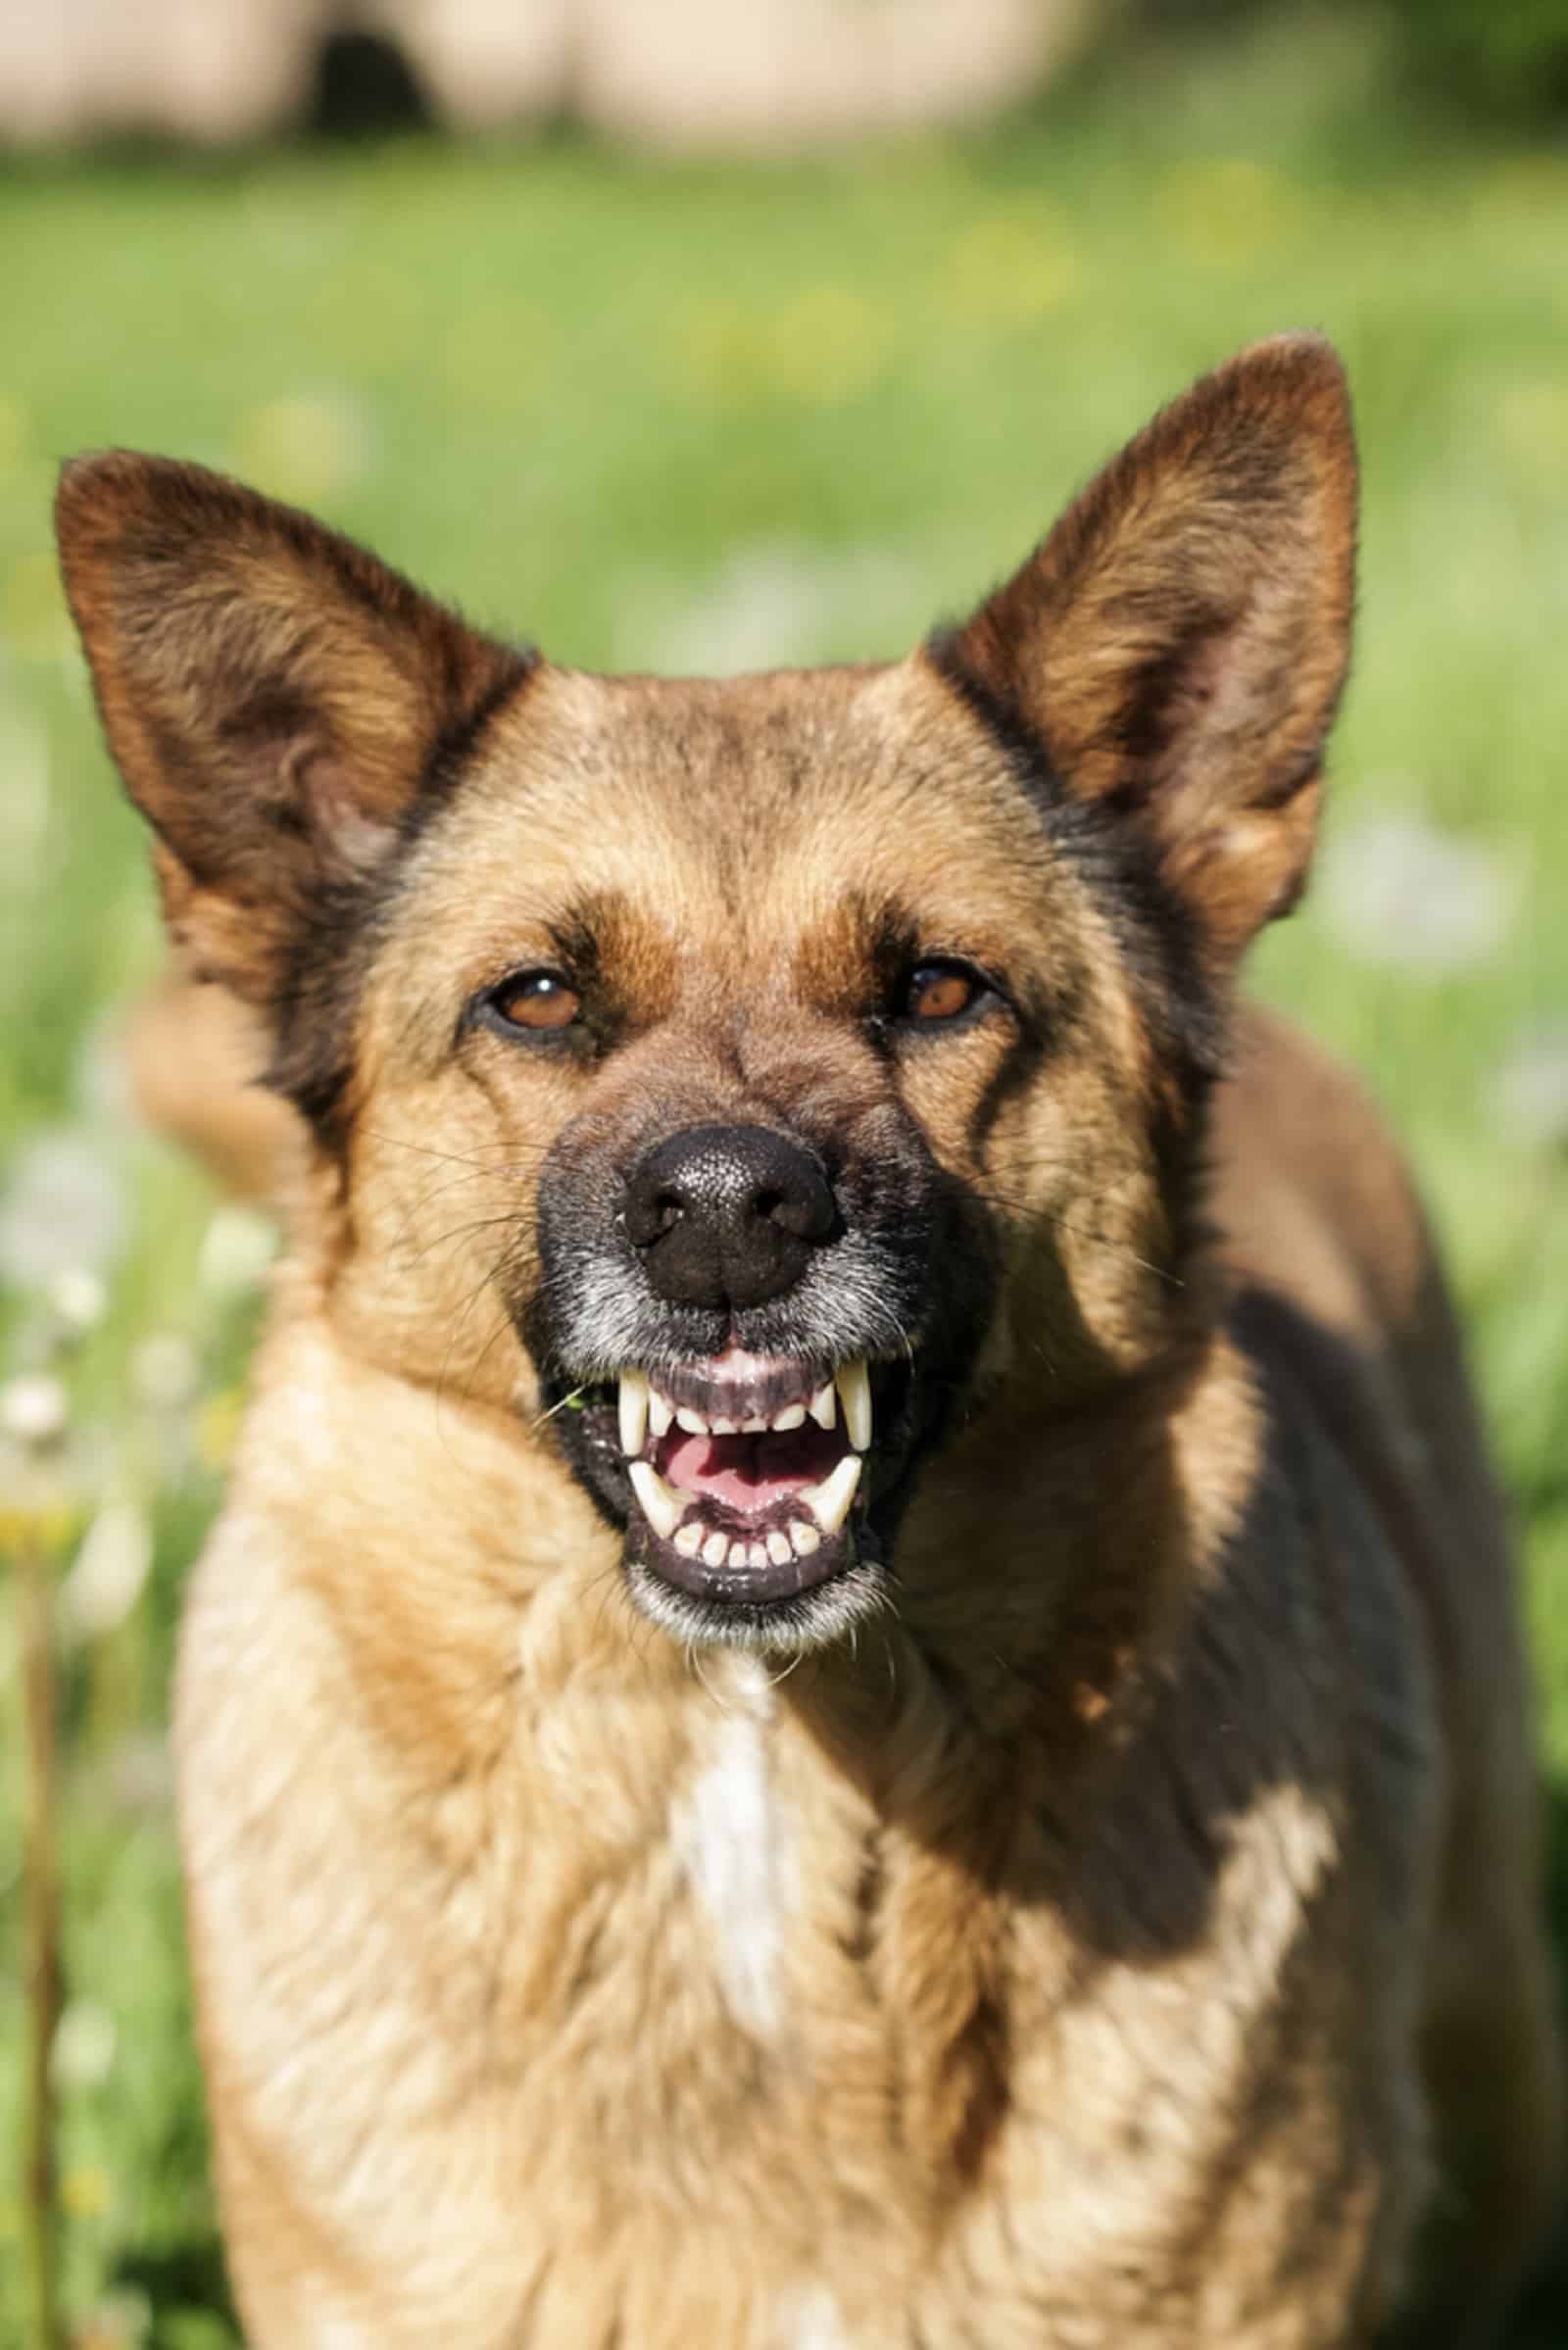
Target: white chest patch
810	2321
728	1835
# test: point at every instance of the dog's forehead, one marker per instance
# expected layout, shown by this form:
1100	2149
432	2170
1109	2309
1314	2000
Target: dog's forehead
690	798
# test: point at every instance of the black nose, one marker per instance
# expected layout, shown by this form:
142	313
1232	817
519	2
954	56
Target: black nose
727	1215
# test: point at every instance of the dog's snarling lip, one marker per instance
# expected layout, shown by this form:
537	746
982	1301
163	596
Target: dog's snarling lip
745	1470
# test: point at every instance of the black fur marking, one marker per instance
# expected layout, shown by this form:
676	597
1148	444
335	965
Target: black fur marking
455	746
1158	936
1154	929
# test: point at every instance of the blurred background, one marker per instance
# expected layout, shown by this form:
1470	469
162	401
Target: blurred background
697	337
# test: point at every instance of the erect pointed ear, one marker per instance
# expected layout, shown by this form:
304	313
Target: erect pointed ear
279	701
1177	646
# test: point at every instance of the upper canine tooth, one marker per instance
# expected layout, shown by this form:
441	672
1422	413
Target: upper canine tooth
854	1386
633	1412
661	1507
823	1406
692	1421
792	1416
829	1502
660	1413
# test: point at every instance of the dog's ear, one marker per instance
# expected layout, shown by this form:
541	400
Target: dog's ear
276	698
1177	646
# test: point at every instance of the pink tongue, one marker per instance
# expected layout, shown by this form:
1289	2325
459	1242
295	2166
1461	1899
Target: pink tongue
748	1472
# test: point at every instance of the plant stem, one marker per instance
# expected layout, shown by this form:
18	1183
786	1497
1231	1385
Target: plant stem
45	1974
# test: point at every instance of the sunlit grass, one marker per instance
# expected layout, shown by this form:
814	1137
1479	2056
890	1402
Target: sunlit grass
638	411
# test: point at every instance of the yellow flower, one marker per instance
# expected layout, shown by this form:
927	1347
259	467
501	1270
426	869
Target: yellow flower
15	435
1225	210
301	448
33	608
85	2192
1532	427
826	345
1011	266
217	1427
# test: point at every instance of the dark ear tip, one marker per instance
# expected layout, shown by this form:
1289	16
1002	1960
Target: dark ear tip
1301	368
103	490
94	489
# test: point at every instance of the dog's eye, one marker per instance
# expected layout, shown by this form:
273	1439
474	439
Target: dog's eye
941	991
535	1000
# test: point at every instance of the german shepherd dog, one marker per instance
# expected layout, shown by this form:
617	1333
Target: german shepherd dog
859	1688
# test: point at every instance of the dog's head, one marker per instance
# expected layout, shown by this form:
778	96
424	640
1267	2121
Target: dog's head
764	1079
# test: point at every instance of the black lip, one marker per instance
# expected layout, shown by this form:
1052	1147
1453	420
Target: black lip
745	1586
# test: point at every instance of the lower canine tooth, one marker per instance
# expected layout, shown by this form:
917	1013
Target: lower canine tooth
633	1412
805	1538
829	1502
854	1386
689	1537
716	1550
660	1506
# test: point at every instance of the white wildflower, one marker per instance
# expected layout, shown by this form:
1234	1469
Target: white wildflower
1397	889
34	1409
238	1245
110	1569
84	2044
164	1372
1530	1088
63	1210
78	1298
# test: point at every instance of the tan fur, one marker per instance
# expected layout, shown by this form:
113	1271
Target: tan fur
1130	1937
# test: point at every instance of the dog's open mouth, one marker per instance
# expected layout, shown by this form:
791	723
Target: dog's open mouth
759	1493
748	1471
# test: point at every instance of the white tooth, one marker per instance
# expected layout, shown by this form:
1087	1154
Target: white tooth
757	1427
692	1421
633	1412
660	1413
716	1550
805	1537
661	1507
689	1537
757	1554
829	1502
824	1406
737	1554
854	1386
792	1416
778	1548
722	1427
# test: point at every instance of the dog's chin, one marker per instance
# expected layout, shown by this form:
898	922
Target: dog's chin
758	1494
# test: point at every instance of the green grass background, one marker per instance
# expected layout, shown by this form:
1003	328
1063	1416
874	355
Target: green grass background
635	410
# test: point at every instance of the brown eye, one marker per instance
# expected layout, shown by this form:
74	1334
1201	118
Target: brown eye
941	992
536	1000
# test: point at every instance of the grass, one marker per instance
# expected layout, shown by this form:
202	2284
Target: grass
668	413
